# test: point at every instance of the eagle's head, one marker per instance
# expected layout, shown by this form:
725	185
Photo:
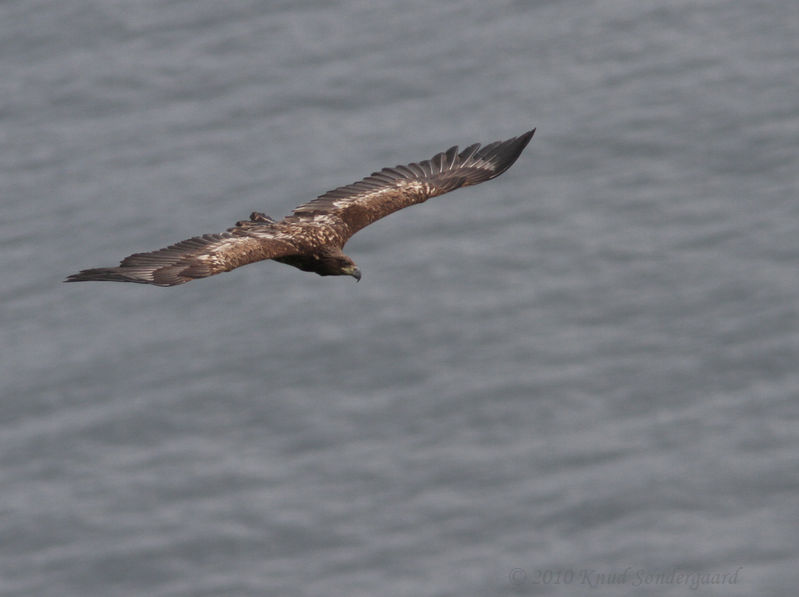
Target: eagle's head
347	267
352	270
338	265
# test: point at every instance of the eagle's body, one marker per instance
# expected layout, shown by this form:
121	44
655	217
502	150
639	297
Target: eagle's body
312	236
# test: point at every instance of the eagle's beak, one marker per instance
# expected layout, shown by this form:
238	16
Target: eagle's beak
352	270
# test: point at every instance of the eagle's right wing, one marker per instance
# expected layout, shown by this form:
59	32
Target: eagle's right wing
196	257
349	209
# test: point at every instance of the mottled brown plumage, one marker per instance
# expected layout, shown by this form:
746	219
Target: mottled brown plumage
311	238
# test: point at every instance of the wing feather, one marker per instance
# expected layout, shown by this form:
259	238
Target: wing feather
352	207
192	258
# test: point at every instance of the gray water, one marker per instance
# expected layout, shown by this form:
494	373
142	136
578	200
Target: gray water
579	378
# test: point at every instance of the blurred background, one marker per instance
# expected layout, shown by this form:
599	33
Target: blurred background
586	365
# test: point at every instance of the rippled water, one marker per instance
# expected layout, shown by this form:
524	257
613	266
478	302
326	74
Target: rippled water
583	371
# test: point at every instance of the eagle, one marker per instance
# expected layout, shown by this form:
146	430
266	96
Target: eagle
312	237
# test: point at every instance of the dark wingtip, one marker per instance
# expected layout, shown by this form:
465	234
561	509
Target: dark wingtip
81	276
507	152
89	275
525	138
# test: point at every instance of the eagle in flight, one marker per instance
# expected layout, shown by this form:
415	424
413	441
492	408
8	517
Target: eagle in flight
311	238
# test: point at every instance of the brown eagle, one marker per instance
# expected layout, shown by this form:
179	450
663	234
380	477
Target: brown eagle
311	238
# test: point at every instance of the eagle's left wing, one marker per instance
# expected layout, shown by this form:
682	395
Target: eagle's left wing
196	257
351	208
